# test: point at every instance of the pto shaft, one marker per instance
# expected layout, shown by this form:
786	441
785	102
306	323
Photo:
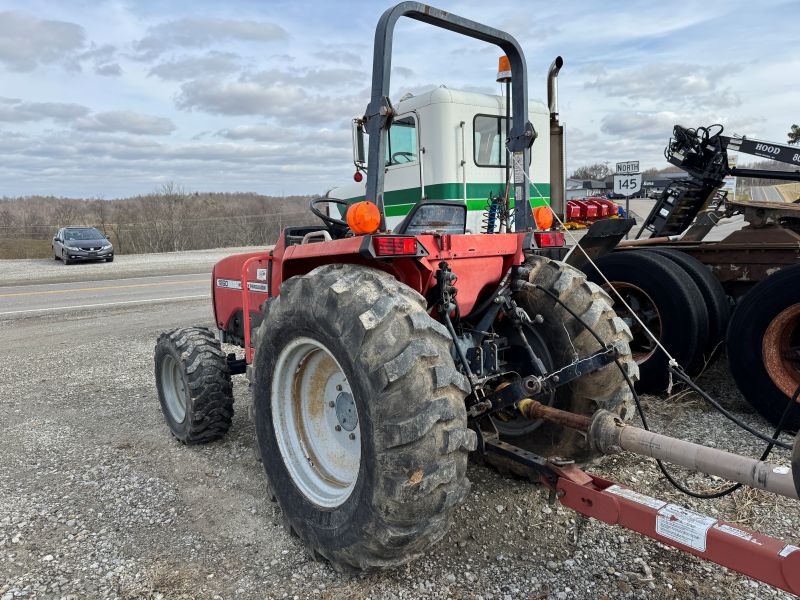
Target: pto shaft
608	434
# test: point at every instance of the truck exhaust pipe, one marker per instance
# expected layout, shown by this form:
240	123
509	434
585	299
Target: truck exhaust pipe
552	91
557	188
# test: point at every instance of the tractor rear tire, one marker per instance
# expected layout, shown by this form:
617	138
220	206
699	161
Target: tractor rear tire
385	500
565	339
764	345
671	305
194	385
714	296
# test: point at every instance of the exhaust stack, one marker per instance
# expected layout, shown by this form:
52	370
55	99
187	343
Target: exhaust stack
557	193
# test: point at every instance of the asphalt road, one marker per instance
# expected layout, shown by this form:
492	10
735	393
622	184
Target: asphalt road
766	193
22	300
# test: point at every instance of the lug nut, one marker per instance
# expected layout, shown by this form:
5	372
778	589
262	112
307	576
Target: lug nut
352	436
338	428
338	388
331	403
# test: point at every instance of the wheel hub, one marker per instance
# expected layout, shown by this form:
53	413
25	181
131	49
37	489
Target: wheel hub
642	345
346	411
780	348
315	418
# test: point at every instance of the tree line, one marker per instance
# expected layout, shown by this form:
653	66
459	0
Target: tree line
167	220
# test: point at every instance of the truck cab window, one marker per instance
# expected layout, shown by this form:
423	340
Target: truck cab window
401	146
490	141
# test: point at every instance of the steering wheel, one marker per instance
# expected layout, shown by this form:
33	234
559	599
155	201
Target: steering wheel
335	223
409	156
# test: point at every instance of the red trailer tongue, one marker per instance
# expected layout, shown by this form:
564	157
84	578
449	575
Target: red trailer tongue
756	555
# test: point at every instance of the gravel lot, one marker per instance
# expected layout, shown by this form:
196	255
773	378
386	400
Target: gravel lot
38	270
98	501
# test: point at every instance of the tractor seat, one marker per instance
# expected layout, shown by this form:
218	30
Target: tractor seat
306	234
441	216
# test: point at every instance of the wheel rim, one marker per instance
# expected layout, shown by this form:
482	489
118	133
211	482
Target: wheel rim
316	422
642	346
780	349
174	388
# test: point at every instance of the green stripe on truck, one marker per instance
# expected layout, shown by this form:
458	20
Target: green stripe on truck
398	202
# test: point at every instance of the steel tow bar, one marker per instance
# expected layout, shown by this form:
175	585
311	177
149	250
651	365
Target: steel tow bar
753	554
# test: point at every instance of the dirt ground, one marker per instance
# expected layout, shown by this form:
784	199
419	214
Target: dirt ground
97	500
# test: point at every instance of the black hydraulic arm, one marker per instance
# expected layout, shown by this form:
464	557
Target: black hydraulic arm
770	150
379	112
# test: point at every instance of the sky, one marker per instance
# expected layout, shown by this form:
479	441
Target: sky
110	99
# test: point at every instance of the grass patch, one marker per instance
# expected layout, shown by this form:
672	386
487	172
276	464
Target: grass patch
789	191
25	249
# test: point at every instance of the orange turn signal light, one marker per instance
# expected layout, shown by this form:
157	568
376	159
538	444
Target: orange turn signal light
363	217
543	217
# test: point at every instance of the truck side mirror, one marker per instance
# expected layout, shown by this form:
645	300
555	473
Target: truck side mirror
359	156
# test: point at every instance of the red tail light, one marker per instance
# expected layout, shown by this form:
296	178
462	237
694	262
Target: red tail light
548	239
395	246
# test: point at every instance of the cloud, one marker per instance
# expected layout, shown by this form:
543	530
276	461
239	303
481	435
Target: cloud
291	103
203	32
27	41
309	78
13	110
645	127
103	58
343	54
271	133
194	67
126	122
668	82
109	70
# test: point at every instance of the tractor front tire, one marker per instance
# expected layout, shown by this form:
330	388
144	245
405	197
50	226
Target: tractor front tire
194	385
566	339
360	416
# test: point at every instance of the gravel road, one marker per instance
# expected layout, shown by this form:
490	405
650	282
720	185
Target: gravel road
98	501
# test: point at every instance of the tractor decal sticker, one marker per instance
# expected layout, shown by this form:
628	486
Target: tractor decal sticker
742	535
787	550
635	496
235	284
684	526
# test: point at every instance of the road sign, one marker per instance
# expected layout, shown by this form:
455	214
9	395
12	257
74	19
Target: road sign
628	167
628	185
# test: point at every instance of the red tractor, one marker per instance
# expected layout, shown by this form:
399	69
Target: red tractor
379	360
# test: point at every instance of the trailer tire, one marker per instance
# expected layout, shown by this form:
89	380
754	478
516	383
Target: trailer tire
362	328
565	337
714	296
673	303
763	335
194	385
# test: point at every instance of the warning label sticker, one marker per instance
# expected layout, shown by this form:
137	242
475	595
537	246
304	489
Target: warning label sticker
787	550
730	530
635	496
519	169
684	526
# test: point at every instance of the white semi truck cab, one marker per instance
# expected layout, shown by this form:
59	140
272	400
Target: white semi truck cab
449	144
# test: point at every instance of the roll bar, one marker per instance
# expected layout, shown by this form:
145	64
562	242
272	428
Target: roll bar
380	112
